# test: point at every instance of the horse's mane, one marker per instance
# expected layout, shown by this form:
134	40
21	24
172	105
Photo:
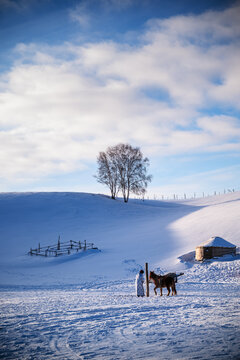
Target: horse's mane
154	276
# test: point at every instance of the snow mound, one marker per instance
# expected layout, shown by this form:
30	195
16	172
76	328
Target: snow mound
129	235
217	241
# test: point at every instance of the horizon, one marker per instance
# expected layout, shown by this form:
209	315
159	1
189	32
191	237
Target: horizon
148	197
79	76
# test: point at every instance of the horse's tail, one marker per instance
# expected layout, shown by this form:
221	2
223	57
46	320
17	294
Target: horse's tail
174	291
177	275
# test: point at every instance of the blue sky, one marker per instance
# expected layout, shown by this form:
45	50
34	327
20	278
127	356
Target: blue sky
79	76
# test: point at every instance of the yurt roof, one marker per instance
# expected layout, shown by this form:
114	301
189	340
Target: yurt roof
217	241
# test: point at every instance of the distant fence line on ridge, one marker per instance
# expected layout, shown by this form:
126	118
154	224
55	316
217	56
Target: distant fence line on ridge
184	196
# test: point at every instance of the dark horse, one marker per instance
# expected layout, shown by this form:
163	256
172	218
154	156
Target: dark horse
164	281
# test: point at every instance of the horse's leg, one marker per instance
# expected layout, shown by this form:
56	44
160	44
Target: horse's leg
168	288
174	289
155	290
160	291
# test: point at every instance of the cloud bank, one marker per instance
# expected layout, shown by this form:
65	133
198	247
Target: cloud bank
175	91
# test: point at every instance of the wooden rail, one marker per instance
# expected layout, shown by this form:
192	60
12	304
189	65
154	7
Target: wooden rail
62	248
147	279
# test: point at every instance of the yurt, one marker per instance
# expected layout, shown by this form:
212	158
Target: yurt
214	247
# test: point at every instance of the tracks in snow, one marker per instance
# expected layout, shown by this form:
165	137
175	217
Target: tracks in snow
103	324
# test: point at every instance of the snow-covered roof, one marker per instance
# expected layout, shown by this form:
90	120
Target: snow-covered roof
217	241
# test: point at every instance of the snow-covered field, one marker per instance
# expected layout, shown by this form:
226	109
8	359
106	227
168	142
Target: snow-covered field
83	306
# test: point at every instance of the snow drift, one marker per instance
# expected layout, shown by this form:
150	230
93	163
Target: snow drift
83	306
128	235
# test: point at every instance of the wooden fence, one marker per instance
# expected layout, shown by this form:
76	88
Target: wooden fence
62	248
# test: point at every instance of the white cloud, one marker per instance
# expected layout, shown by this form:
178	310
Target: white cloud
60	106
84	15
204	29
221	126
80	14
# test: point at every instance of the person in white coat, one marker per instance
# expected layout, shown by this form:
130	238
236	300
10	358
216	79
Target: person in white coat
139	283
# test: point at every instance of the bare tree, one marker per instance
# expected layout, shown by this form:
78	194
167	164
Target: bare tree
107	172
122	167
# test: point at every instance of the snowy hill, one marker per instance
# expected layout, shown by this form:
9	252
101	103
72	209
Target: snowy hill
128	235
83	306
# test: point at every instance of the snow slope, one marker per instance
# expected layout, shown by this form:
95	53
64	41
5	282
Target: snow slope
84	306
216	216
128	235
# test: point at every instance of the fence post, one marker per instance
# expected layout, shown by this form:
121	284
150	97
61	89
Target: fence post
147	280
58	247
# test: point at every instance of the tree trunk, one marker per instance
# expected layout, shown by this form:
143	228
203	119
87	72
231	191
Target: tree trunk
128	191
